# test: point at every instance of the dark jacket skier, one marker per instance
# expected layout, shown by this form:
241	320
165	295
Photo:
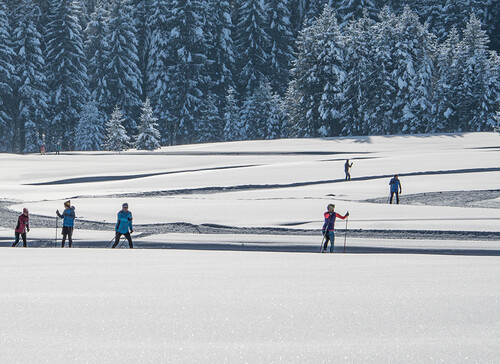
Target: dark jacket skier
124	226
347	167
395	185
23	225
68	217
329	225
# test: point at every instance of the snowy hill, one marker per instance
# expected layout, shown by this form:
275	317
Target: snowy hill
271	304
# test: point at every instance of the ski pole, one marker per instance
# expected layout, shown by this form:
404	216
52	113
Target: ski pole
122	241
55	239
322	241
109	244
345	236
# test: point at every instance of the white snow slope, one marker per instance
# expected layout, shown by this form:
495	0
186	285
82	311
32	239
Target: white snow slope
202	305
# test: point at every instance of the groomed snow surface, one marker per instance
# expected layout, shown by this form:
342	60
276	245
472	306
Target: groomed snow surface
250	295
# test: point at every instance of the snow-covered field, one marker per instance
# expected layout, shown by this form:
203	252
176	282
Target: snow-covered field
234	283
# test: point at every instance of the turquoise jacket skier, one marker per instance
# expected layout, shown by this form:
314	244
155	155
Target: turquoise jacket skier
68	215
124	223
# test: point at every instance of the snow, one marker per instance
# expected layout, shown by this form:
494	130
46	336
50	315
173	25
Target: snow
192	306
246	295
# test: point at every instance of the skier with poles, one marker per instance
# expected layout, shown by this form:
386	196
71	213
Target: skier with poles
23	225
329	225
68	223
395	184
347	167
124	226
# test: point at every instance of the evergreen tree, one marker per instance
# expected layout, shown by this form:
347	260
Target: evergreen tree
97	51
159	61
116	138
330	70
276	127
141	10
316	94
187	68
149	136
209	126
448	82
231	119
7	80
360	86
66	71
281	54
220	50
32	98
253	45
415	72
256	112
123	77
477	100
32	140
89	130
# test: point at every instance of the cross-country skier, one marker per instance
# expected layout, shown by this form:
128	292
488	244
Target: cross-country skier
68	223
329	225
23	225
347	167
124	226
395	184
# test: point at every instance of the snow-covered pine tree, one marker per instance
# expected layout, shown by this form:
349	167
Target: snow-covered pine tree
231	120
141	14
256	112
253	45
187	67
304	88
159	60
7	80
477	98
66	71
330	71
123	77
359	86
116	138
149	136
415	73
32	98
209	126
90	128
220	50
32	140
281	53
97	52
277	119
449	70
314	100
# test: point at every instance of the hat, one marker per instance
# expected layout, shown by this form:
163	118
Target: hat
125	205
25	210
330	205
67	203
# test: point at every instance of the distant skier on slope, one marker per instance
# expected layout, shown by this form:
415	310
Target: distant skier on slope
68	223
347	167
395	184
329	225
124	226
23	225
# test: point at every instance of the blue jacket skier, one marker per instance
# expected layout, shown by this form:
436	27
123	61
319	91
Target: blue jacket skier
395	184
329	226
124	226
68	217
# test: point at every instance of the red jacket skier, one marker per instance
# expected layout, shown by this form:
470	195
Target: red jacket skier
329	225
22	226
